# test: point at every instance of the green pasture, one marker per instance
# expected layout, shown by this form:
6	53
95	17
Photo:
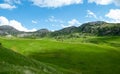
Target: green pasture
85	55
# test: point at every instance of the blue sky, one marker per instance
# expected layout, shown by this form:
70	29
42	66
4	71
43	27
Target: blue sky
30	15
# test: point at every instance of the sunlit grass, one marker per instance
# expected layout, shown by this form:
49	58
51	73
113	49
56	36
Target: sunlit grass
89	55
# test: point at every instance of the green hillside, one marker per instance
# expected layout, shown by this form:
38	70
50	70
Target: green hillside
87	55
14	63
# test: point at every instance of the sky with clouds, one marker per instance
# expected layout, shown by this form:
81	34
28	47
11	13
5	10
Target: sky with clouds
31	15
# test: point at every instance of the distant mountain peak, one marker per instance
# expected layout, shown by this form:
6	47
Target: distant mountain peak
6	29
42	30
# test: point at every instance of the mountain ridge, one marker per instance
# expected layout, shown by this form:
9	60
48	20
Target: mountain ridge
96	28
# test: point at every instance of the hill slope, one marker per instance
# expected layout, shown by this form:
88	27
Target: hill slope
100	28
6	30
90	55
65	31
14	63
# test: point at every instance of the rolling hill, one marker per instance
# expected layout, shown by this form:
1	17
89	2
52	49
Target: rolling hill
14	63
99	28
90	55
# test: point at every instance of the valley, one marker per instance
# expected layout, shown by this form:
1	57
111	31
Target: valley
90	55
59	36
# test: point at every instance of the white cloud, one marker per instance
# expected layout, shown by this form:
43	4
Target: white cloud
63	26
33	21
91	14
7	6
17	25
105	2
52	19
101	2
3	21
55	3
73	22
13	1
114	15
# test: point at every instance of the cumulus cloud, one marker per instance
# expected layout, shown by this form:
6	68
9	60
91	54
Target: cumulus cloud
105	2
114	15
55	3
7	6
3	21
91	14
101	2
72	22
34	22
17	25
13	1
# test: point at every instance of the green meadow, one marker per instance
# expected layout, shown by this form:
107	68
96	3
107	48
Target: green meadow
85	55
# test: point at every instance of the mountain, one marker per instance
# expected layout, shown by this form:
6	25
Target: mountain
65	31
91	27
6	30
99	28
37	34
9	30
41	33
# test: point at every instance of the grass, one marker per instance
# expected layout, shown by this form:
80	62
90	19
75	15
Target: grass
90	55
15	63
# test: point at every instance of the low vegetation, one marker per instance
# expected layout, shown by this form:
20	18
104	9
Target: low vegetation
85	55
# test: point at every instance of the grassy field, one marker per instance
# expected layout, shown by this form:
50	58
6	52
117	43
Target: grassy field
15	63
89	55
